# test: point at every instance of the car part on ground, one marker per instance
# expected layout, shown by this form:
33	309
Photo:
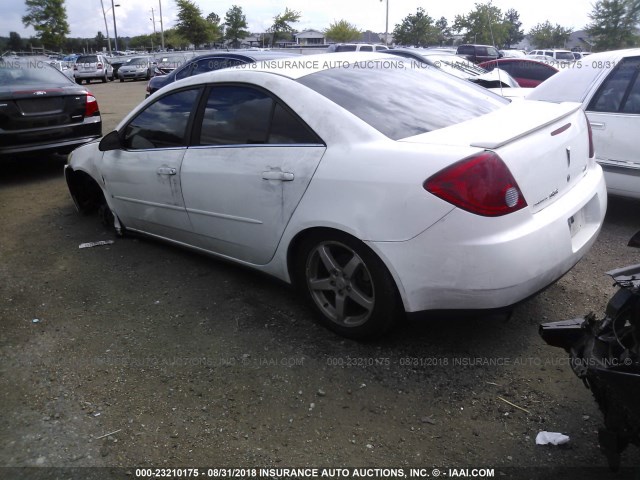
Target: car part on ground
605	355
367	216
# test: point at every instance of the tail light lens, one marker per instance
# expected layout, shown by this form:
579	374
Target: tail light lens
99	66
592	151
91	107
481	184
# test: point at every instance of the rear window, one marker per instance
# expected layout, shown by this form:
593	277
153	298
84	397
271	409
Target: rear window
30	73
346	48
571	84
564	56
423	100
87	59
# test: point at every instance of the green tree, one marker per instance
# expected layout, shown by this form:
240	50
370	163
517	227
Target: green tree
216	28
173	39
444	32
281	27
342	31
192	25
483	25
15	42
417	29
514	28
545	35
614	23
99	41
49	20
236	22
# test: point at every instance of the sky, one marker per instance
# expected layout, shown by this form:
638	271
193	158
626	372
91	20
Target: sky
133	17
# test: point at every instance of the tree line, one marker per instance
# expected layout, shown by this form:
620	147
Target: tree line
613	25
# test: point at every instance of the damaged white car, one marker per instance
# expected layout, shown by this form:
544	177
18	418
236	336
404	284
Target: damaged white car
377	188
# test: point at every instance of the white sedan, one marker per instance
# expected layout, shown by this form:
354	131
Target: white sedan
374	186
608	87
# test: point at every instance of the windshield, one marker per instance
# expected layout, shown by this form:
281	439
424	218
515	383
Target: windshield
423	100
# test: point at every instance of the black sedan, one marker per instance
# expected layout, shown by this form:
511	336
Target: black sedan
43	110
213	61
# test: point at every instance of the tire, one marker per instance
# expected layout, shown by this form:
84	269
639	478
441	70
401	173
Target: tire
104	79
122	79
349	287
79	81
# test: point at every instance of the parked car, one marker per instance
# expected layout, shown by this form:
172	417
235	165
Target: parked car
478	53
369	217
513	53
167	62
41	109
213	61
528	73
356	47
63	67
137	68
457	66
92	67
555	54
607	86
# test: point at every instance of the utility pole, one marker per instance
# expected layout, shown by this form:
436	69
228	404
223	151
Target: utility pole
115	29
161	27
106	27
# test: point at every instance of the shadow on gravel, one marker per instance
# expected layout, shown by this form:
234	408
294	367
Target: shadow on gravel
19	170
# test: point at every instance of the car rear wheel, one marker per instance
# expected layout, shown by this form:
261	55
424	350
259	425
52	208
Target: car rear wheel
122	79
350	288
104	79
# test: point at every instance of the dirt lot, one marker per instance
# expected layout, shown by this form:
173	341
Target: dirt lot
192	362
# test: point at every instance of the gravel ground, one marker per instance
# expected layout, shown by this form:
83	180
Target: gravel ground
139	354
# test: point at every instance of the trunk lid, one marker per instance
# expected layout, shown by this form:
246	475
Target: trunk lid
41	108
544	145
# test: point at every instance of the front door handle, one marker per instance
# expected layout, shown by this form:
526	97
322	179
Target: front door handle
274	175
167	171
598	125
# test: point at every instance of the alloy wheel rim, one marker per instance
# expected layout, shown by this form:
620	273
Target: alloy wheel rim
340	284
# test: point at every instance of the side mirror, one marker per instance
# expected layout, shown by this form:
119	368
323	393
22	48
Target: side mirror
111	141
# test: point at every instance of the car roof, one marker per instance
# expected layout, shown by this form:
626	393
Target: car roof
255	55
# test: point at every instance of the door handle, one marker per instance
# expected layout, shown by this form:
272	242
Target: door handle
282	176
167	171
598	125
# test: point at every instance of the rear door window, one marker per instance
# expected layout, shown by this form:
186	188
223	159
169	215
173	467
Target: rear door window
615	91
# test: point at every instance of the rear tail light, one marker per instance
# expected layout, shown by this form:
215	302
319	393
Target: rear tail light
75	67
99	66
591	149
91	107
481	184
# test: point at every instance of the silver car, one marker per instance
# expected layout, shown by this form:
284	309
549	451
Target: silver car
92	67
137	68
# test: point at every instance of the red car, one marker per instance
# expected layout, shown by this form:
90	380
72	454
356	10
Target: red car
528	73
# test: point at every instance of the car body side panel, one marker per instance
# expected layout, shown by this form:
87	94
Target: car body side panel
240	198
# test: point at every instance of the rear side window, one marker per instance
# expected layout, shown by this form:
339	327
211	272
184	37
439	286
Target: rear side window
426	99
466	50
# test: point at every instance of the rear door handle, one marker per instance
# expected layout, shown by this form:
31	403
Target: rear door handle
167	171
283	176
598	125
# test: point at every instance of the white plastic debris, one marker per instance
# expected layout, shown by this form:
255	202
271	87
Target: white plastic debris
553	438
96	244
35	320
